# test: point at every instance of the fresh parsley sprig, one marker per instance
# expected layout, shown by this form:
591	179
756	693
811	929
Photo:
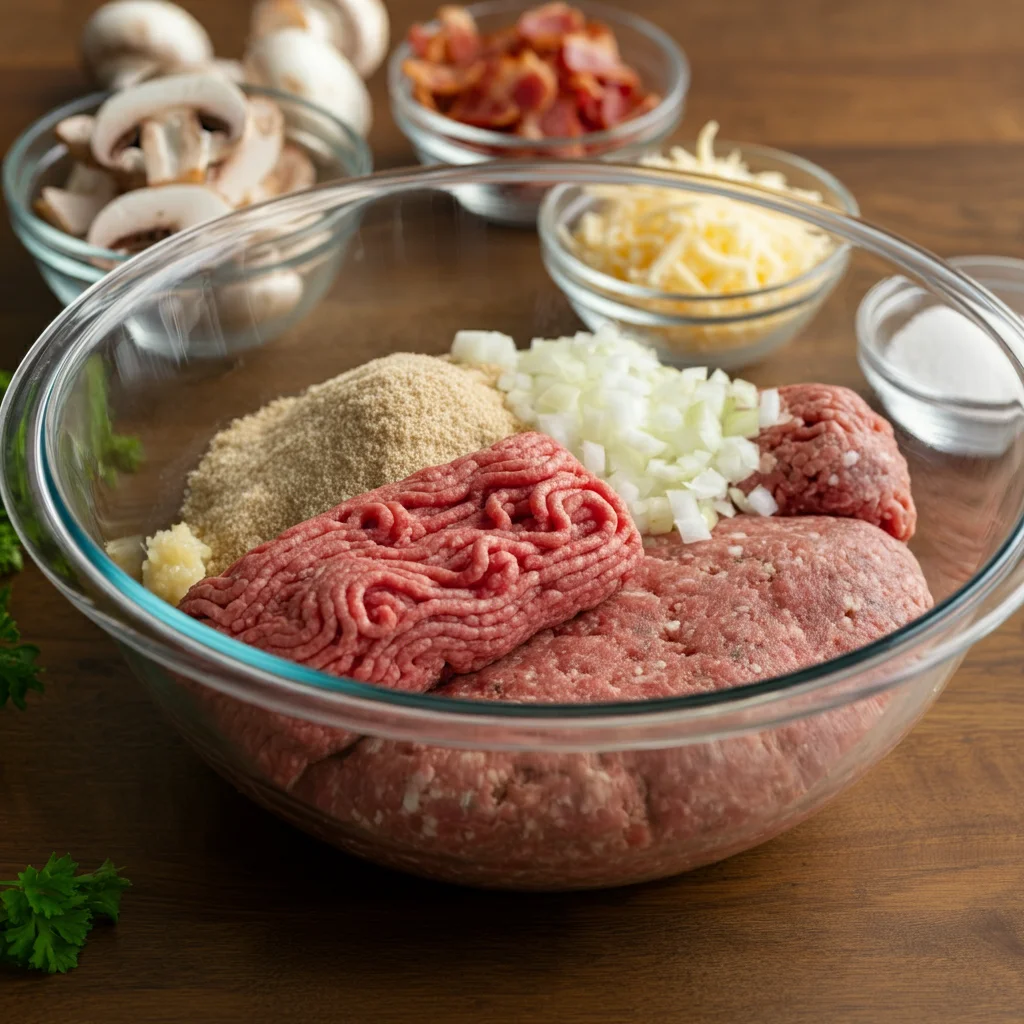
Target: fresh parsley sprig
46	914
19	672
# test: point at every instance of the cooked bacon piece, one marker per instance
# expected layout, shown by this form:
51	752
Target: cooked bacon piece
536	84
461	35
588	93
595	51
545	27
424	96
442	80
483	110
426	44
562	121
551	75
504	41
645	106
616	107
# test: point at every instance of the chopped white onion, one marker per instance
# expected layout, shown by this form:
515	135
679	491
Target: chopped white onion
709	485
770	408
672	443
594	458
743	394
761	501
487	348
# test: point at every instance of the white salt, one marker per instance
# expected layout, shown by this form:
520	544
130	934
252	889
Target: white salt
944	352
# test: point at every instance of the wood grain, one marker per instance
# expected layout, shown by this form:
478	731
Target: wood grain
903	901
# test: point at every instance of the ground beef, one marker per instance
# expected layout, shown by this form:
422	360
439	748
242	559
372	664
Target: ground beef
443	572
835	456
762	598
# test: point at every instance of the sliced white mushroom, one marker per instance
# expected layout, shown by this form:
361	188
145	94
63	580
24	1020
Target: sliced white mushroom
136	220
91	181
295	62
232	70
293	172
256	154
76	134
122	36
70	212
167	114
365	33
266	297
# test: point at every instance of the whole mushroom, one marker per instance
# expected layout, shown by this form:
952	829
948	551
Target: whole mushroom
296	62
358	29
232	70
125	39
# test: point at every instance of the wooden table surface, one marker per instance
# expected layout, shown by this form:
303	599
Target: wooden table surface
902	901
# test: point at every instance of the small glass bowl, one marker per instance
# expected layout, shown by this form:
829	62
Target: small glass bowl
437	139
952	425
727	331
254	301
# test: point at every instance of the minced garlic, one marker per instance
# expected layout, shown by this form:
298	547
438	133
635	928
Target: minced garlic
175	560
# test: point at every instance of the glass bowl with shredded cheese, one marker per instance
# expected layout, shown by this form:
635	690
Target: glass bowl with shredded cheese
701	277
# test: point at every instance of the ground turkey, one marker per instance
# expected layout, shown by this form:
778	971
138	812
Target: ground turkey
762	598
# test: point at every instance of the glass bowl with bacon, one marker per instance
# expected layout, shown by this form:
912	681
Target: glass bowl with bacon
508	79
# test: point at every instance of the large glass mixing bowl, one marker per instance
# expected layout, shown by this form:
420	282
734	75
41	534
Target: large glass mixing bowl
527	796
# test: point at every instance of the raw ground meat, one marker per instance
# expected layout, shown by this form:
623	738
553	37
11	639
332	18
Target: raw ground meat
443	572
761	598
836	456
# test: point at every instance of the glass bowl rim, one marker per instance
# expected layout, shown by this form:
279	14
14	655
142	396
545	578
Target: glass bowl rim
181	642
61	242
549	225
433	123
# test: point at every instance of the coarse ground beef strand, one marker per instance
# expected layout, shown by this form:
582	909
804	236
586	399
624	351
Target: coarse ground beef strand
443	572
835	456
761	598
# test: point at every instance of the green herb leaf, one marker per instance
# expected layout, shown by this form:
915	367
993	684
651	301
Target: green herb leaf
10	547
102	890
46	915
19	672
111	451
53	889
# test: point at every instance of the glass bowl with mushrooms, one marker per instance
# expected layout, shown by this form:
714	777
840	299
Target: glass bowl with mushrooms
106	176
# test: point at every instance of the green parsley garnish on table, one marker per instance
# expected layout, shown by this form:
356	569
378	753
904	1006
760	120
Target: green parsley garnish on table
46	914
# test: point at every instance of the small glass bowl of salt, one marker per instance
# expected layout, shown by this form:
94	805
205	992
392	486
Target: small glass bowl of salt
939	375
